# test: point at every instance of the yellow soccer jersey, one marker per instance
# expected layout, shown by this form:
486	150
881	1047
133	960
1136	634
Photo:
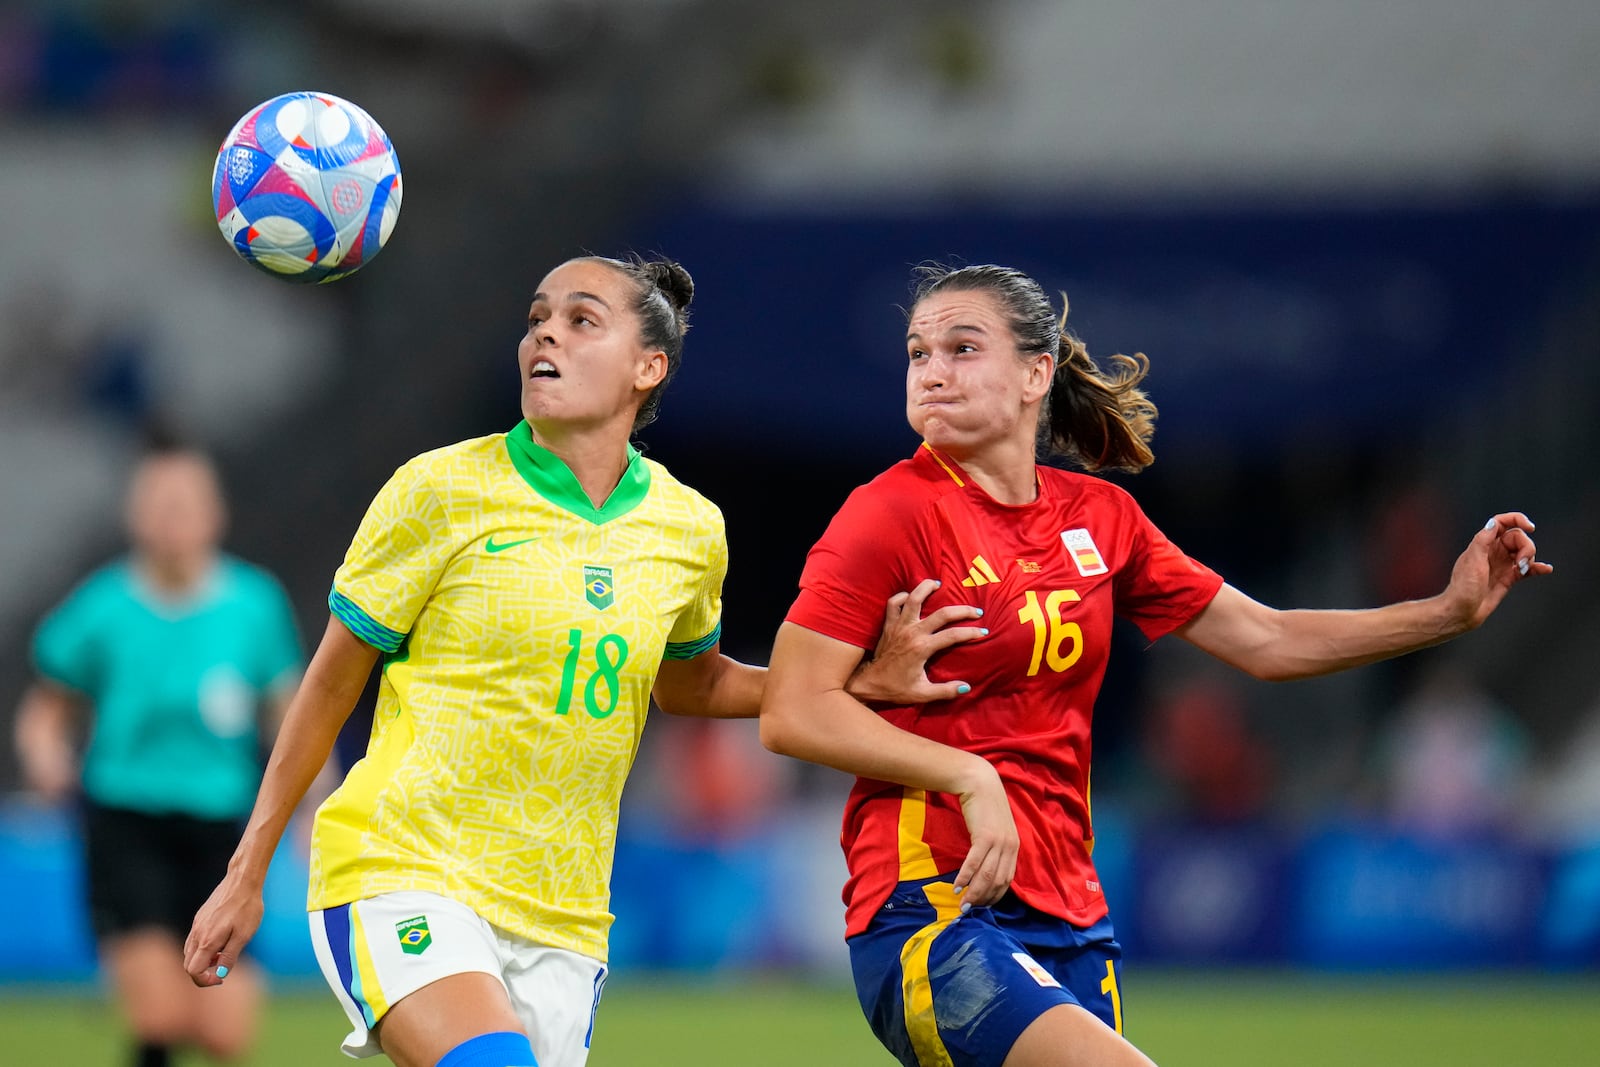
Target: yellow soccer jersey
521	629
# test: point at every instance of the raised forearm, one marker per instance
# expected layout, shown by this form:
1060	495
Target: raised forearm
1322	642
1285	645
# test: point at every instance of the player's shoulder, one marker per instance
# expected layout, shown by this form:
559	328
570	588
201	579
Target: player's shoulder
450	475
1089	489
106	592
474	453
902	491
111	580
667	490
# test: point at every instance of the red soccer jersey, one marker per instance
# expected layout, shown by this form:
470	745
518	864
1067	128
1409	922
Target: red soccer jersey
1049	576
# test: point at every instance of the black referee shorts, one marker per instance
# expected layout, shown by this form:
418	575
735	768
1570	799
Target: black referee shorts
152	870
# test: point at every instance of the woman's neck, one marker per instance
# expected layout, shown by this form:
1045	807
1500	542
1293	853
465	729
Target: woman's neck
598	457
174	577
1007	472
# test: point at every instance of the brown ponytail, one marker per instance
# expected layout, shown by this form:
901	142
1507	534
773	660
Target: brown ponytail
1099	419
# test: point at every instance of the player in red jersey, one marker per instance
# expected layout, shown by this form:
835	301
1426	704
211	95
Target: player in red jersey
977	929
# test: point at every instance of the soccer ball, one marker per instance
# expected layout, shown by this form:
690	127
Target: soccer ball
306	187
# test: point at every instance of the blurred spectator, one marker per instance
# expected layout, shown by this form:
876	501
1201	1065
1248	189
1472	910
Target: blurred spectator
173	652
1407	552
1200	739
1567	805
721	785
695	861
117	380
1567	799
60	356
1453	762
44	348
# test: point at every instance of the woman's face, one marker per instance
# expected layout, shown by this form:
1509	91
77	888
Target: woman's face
581	361
965	385
175	510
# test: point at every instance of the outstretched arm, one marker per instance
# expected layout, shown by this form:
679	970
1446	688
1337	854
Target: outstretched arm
328	693
1282	645
808	714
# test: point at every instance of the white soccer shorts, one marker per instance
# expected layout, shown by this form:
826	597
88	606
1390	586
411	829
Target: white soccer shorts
376	951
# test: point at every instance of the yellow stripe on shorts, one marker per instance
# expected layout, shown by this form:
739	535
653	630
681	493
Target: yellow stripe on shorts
916	985
366	973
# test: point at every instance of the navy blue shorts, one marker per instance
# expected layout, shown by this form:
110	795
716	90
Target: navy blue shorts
939	987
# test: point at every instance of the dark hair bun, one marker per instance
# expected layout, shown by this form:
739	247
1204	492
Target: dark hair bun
673	281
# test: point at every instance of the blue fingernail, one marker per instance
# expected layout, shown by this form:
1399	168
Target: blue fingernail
963	688
980	612
222	972
965	908
983	632
937	583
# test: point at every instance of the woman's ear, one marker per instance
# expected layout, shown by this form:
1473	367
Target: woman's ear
652	371
1040	373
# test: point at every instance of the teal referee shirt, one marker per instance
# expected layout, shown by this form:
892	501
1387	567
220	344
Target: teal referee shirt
176	686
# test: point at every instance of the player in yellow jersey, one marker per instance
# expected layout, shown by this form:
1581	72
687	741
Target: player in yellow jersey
527	593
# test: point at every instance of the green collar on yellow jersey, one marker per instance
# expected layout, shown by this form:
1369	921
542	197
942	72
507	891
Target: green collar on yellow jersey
552	479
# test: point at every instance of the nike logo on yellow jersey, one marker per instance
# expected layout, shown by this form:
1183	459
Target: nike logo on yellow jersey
490	546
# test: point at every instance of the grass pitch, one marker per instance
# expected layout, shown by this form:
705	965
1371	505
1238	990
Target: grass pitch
1224	1019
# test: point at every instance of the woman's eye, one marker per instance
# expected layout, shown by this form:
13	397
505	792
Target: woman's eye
917	353
534	321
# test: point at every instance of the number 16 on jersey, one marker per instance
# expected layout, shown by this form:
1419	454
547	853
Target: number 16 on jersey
1050	631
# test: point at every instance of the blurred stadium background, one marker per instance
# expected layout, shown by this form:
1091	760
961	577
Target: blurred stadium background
1360	243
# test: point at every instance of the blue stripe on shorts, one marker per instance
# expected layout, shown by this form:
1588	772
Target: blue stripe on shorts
594	1006
341	942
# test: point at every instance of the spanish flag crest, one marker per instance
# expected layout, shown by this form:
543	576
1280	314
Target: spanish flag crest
1081	547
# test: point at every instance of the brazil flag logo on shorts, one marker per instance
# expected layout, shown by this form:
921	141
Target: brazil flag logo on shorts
414	935
597	588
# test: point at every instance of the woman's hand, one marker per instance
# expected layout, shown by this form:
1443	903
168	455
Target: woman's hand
991	863
1499	556
897	673
44	745
222	927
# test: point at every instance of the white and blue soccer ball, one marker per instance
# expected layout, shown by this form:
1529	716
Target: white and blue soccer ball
306	187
